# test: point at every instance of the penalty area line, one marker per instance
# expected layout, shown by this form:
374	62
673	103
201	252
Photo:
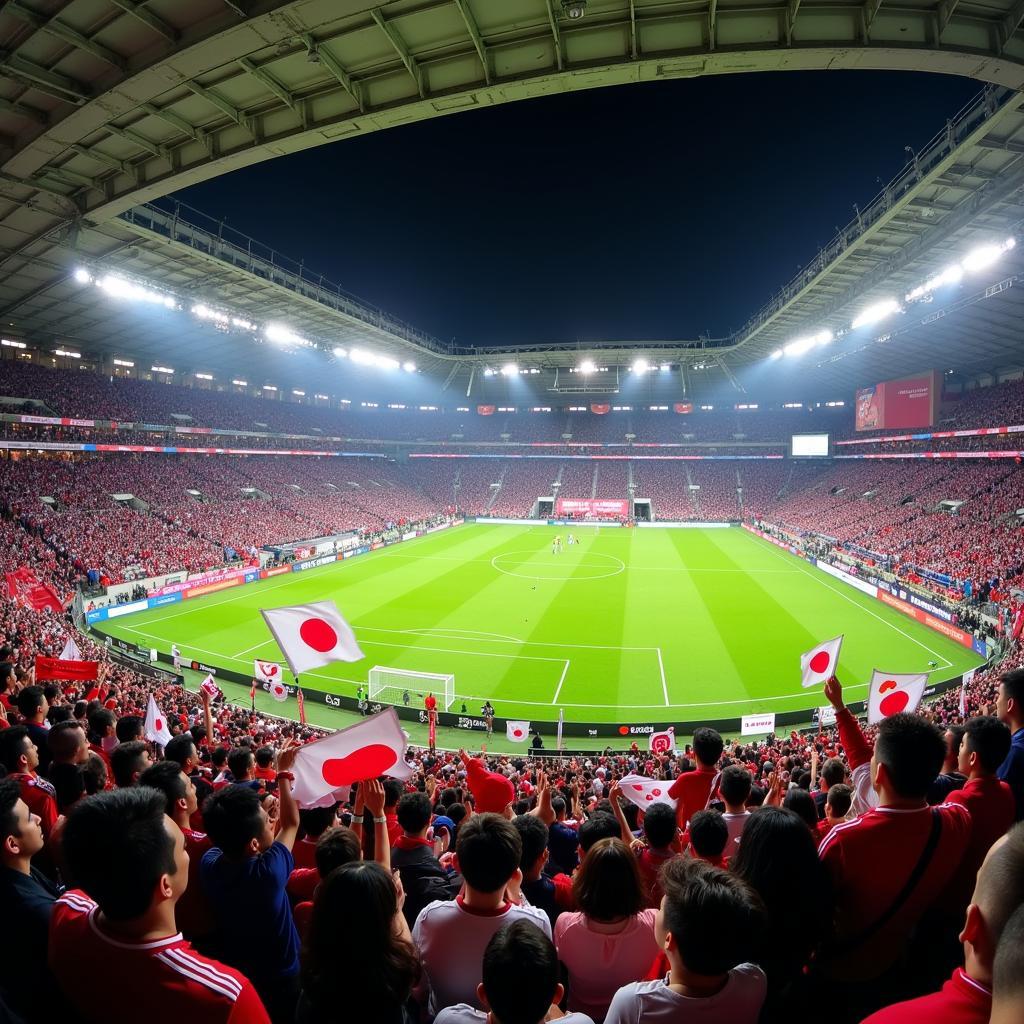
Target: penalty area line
565	670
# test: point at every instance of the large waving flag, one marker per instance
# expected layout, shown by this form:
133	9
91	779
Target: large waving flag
156	724
891	693
312	635
819	664
643	792
71	651
370	748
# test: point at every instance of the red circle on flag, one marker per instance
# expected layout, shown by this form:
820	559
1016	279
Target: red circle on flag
648	797
365	763
158	724
820	662
894	703
318	634
656	792
517	733
278	687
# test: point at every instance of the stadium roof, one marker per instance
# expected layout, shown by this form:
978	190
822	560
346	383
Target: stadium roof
105	103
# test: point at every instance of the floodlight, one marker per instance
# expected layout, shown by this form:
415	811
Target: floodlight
409	366
82	276
587	366
509	370
641	365
873	314
240	383
339	351
980	258
665	368
777	354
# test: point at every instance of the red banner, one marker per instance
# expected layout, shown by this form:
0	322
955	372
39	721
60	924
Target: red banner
54	668
602	508
896	404
600	410
432	729
683	407
485	410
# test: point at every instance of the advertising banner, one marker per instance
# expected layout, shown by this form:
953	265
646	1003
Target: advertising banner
612	507
751	725
896	404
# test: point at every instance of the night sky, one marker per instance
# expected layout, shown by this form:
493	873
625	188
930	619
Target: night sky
663	210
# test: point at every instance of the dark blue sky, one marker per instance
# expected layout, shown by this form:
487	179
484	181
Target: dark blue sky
662	210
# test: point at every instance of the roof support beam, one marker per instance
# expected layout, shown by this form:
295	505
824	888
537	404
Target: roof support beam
237	8
173	119
101	158
61	86
1009	25
329	61
136	140
946	9
632	29
136	10
218	101
64	32
712	19
791	12
867	15
269	81
474	34
400	48
28	113
553	22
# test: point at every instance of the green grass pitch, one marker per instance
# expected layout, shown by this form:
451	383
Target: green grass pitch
628	625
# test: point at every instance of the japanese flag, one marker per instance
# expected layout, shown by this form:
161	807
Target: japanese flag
71	651
278	690
891	693
663	742
209	686
156	724
643	792
370	748
312	635
517	732
266	671
819	665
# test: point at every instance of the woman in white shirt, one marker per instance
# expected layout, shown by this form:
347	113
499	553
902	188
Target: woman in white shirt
610	941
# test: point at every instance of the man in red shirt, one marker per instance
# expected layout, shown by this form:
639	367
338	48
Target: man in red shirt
19	755
130	860
890	864
967	997
989	801
692	789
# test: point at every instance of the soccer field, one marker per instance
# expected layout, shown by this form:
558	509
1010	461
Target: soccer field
642	625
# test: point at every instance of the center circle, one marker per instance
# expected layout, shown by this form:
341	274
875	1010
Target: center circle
533	565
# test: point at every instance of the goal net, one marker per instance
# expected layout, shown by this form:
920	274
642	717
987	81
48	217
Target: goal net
390	685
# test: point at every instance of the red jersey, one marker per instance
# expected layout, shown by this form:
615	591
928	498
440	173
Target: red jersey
40	797
649	862
302	883
992	807
962	1000
430	702
870	859
166	981
304	853
691	791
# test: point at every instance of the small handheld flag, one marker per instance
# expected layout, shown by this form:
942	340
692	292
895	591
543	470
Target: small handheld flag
819	664
266	671
279	691
209	686
663	742
643	792
156	724
517	732
891	693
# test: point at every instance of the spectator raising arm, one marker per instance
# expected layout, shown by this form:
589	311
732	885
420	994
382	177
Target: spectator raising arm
858	749
288	824
373	796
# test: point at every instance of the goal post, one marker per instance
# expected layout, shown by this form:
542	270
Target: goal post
389	686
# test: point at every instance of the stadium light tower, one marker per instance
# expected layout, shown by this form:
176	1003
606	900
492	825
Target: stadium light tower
641	365
587	366
509	370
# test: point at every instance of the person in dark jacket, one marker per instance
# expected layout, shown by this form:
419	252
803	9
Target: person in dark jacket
423	878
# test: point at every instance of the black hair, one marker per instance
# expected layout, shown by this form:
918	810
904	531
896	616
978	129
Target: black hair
800	802
124	761
393	791
956	733
708	745
10	794
839	799
593	830
558	805
12	746
100	719
316	820
232	818
414	812
708	833
94	774
58	713
239	760
265	757
735	785
534	836
489	850
833	771
659	825
68	781
336	846
167	778
1013	684
607	886
65	739
713	916
520	973
912	751
990	739
180	748
116	846
129	728
30	700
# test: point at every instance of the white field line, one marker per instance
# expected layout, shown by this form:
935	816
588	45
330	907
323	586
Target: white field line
846	597
664	685
630	568
565	670
255	647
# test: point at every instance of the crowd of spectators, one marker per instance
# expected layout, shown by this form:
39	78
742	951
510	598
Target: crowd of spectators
493	884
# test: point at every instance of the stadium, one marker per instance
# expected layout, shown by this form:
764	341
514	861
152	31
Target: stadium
659	509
